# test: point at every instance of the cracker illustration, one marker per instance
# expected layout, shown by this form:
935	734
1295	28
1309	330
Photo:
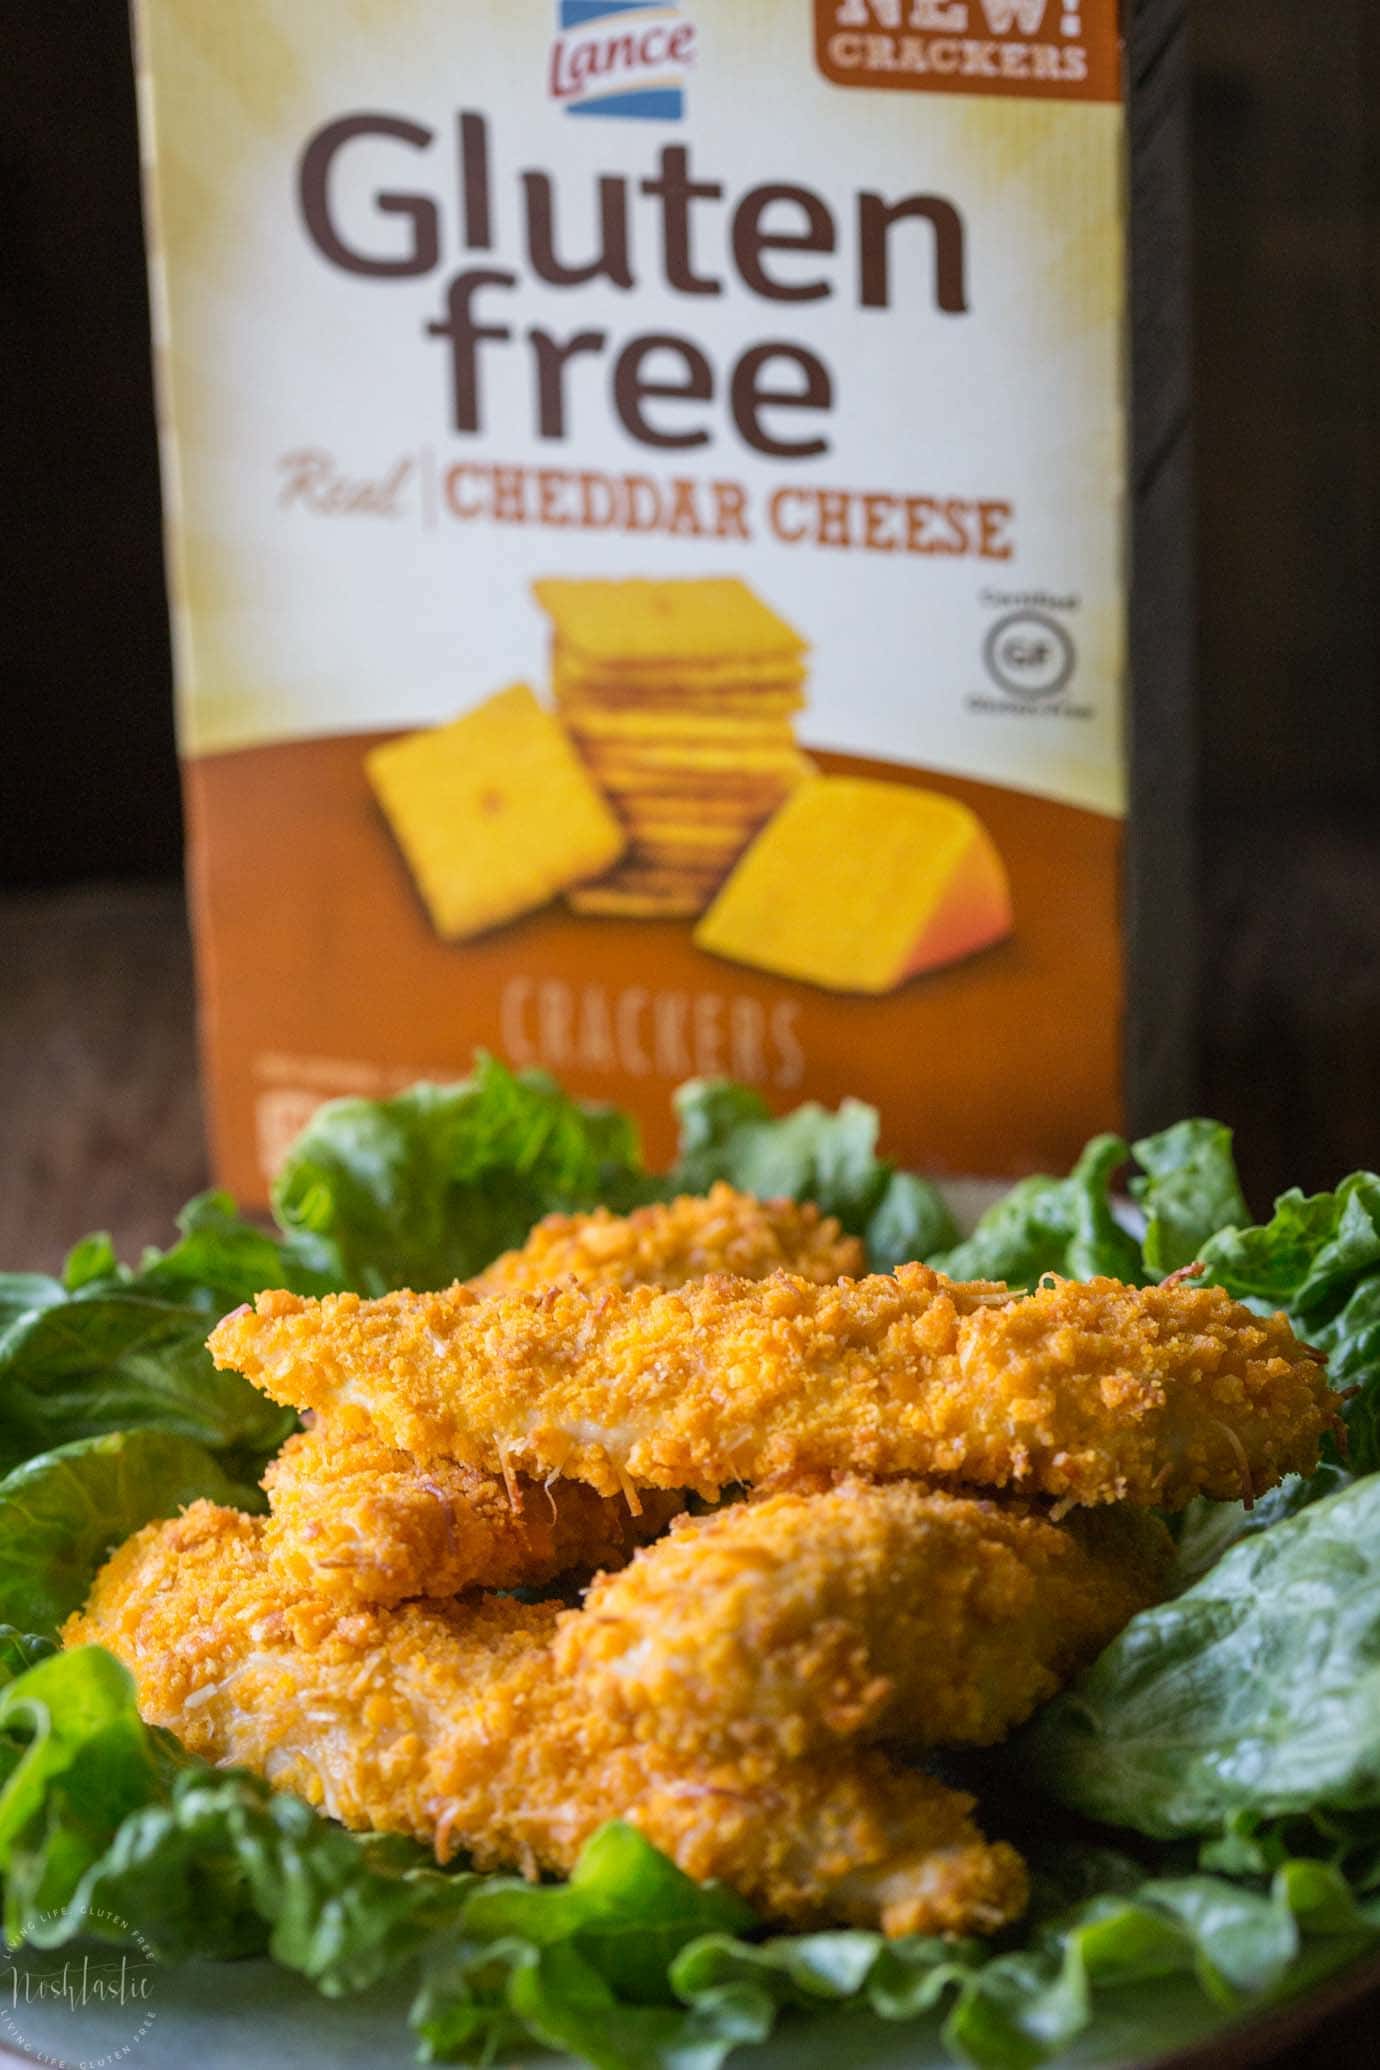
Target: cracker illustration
679	697
620	758
705	621
644	893
494	813
856	885
634	725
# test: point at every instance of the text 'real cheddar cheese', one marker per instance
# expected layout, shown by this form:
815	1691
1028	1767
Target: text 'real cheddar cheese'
857	885
495	813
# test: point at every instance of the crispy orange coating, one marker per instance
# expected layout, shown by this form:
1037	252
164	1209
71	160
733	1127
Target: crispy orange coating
446	1721
867	1611
1086	1391
362	1519
369	1524
678	1240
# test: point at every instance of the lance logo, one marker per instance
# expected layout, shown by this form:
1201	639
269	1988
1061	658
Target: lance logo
621	57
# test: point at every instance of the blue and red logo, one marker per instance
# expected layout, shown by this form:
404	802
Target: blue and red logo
621	57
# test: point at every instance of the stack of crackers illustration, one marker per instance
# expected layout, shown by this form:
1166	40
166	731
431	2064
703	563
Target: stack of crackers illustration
679	697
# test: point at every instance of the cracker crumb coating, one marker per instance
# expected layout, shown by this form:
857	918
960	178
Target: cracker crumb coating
1087	1391
864	1612
447	1721
678	1240
366	1523
363	1520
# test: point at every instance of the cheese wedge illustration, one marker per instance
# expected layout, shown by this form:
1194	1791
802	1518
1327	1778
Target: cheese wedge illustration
856	885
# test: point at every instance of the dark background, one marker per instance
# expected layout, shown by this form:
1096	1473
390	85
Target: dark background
1286	267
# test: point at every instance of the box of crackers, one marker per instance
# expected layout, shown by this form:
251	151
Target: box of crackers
650	490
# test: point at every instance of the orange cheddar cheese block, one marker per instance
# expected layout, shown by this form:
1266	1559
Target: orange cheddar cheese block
857	885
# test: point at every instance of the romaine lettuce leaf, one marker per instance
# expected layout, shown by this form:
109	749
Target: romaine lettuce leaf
1188	1190
63	1513
629	1964
428	1187
1045	1225
1318	1258
105	1348
108	1828
583	1965
85	1761
20	1651
218	1864
728	1132
1205	1530
1012	2010
1257	1691
218	1261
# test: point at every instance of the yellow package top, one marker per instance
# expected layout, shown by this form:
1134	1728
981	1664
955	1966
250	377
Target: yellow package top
701	620
856	885
494	812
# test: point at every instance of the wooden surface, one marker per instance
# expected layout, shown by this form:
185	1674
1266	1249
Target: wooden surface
100	1117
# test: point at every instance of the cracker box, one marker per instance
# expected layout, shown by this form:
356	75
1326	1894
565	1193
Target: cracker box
649	502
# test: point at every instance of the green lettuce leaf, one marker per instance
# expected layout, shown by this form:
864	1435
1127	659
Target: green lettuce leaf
1351	1340
1312	1253
1318	1258
1257	1691
220	1865
1205	1530
108	1829
105	1348
428	1187
219	1261
728	1132
1053	1225
63	1513
23	1292
20	1651
1188	1190
1010	2011
85	1761
583	1965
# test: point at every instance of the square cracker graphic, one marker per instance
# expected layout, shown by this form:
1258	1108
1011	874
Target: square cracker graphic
495	813
706	620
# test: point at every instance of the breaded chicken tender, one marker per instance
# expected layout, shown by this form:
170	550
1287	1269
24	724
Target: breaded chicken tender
867	1611
1087	1391
446	1721
364	1522
678	1240
360	1518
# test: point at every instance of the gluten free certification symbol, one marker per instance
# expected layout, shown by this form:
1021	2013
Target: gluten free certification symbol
1028	654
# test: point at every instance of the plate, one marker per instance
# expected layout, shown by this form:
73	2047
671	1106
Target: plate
224	2016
